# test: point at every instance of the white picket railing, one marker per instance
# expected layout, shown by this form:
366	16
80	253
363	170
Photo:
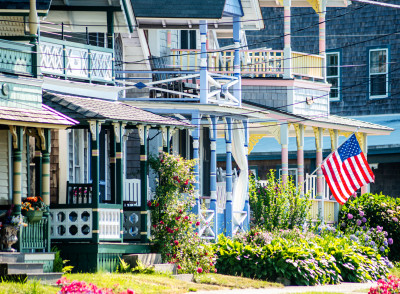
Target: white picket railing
221	197
207	223
132	192
109	223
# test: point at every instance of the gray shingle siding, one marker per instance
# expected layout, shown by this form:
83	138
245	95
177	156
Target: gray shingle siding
362	26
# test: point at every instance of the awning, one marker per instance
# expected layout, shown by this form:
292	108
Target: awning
44	117
87	108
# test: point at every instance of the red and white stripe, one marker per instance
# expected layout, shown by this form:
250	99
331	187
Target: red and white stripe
344	178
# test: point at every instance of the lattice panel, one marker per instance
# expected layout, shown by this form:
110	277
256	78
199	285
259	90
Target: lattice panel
51	60
109	223
77	62
101	65
71	223
15	61
131	225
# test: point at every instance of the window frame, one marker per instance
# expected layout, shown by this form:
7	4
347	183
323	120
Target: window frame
372	49
338	76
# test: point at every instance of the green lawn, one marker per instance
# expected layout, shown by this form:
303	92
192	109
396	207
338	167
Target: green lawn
142	284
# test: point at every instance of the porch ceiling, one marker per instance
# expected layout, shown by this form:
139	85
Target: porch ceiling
23	6
86	108
45	117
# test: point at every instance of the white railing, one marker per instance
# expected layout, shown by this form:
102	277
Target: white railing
71	223
109	223
311	187
221	197
238	222
132	192
207	223
73	60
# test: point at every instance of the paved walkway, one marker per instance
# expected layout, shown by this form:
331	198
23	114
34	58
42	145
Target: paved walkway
353	288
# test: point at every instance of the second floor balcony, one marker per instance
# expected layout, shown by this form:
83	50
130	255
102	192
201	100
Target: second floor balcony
257	63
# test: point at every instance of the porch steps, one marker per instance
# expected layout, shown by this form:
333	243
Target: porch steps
150	259
21	267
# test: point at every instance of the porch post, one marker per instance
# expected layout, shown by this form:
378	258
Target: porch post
246	203
203	63
17	136
229	198
196	136
364	148
113	179
334	134
143	133
46	145
322	32
213	170
94	127
284	151
287	50
38	167
318	132
119	171
237	88
300	156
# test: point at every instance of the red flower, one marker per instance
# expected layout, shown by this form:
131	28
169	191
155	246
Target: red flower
179	267
149	203
178	218
161	222
211	264
154	226
180	210
187	182
215	270
130	291
157	204
186	217
206	253
199	270
162	160
197	223
176	242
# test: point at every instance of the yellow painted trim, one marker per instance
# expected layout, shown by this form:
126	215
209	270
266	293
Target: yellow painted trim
253	140
33	124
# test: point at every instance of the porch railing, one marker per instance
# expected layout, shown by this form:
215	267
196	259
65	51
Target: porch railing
207	223
35	236
79	193
254	63
132	193
16	58
76	61
110	223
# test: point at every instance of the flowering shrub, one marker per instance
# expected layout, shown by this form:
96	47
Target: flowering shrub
277	205
173	225
389	286
376	218
79	287
323	256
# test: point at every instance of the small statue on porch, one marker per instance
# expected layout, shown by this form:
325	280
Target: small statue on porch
9	230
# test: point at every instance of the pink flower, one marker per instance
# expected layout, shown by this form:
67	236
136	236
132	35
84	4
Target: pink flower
178	218
179	267
186	182
176	242
197	223
161	222
199	270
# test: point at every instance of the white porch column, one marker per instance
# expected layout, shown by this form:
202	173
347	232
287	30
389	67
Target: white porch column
236	61
334	134
203	63
318	132
284	151
287	50
364	148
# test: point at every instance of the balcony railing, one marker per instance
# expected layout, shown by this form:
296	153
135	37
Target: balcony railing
254	63
76	61
16	58
35	236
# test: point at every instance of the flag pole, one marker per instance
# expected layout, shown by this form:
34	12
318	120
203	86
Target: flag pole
330	155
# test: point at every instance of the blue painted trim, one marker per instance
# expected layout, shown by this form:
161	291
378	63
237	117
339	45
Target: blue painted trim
388	71
196	156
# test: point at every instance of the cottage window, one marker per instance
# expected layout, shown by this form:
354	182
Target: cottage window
188	39
333	74
78	156
292	173
378	73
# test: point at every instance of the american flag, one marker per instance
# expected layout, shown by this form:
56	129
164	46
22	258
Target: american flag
346	170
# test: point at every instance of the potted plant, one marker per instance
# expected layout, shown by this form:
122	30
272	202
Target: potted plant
33	208
9	231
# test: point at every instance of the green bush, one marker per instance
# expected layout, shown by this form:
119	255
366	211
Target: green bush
173	225
376	214
277	205
308	259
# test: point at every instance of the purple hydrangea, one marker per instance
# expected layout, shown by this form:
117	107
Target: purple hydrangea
358	222
361	213
379	228
390	241
366	238
372	243
364	220
385	233
349	216
395	219
364	228
385	243
382	248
